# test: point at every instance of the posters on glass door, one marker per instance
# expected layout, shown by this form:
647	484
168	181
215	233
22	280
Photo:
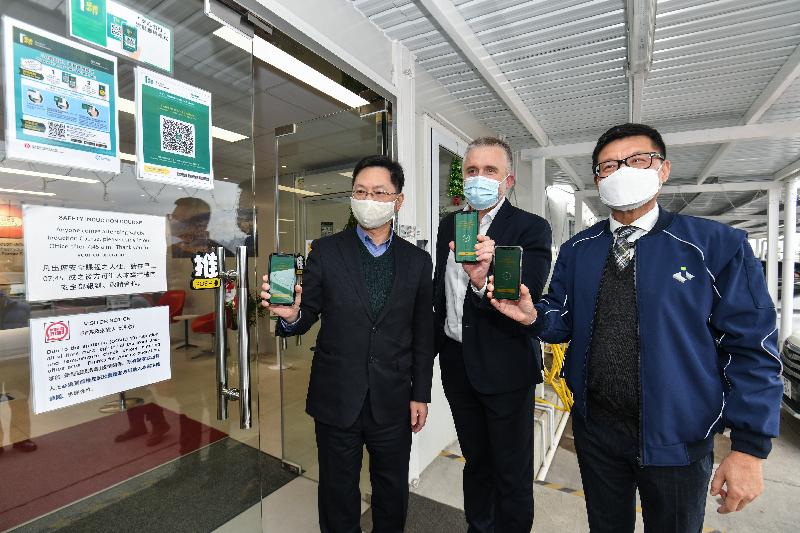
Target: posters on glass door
121	30
173	131
60	100
77	358
79	253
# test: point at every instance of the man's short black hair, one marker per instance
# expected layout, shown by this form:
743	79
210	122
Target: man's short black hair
382	161
623	131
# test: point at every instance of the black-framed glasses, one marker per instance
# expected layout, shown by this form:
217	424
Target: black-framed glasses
381	196
643	160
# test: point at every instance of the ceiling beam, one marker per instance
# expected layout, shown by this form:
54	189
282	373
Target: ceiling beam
751	132
788	171
446	15
774	89
640	18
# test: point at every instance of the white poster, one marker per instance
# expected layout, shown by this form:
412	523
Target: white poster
60	100
78	253
173	132
77	358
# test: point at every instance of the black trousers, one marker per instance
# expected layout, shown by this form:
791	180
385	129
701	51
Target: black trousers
673	497
340	453
496	436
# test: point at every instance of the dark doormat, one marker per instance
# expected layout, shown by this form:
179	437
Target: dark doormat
196	493
426	516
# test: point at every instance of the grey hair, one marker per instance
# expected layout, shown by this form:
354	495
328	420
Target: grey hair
493	141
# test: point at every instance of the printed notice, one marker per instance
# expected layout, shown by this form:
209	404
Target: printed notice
173	131
78	253
60	100
122	31
77	358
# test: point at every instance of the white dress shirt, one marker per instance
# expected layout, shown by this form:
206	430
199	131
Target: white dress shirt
456	281
643	224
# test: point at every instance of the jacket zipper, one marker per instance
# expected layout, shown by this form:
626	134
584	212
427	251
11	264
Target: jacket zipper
589	344
640	458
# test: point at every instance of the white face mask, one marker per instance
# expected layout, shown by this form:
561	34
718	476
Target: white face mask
372	214
628	188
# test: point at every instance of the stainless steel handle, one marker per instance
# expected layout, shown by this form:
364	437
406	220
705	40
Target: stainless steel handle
221	347
245	419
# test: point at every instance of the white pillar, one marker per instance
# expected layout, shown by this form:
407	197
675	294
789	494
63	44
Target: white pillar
539	196
405	118
578	212
789	243
773	219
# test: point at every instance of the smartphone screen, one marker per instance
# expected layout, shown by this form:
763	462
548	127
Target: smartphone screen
466	236
282	279
507	272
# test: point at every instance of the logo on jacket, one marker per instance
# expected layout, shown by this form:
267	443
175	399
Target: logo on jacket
683	276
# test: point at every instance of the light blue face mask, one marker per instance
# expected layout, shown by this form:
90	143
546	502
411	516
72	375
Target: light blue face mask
482	192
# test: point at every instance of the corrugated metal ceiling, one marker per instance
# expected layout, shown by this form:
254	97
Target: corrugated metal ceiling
566	60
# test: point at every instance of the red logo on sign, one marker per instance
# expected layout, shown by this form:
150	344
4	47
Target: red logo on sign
56	331
27	145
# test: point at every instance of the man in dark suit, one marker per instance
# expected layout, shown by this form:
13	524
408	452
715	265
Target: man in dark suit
490	363
373	362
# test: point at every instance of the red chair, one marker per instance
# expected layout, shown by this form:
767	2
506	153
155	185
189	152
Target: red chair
175	300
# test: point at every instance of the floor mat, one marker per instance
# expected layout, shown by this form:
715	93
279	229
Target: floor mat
194	494
76	462
425	516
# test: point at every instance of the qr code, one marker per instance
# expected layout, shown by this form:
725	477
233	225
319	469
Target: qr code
177	137
116	31
56	130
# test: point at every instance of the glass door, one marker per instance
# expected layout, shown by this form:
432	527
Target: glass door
314	163
109	375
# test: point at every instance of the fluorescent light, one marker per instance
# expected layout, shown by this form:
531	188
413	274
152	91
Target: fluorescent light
279	59
36	193
286	219
226	135
127	157
46	175
283	166
128	106
284	188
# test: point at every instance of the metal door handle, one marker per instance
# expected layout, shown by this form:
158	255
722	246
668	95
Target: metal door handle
245	418
221	347
242	394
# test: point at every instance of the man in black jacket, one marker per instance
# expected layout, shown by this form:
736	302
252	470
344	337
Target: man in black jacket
490	364
373	362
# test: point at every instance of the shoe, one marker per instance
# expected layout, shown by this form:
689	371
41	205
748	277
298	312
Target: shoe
130	434
26	445
157	435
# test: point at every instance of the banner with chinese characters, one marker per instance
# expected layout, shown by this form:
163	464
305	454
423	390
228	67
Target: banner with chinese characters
122	31
60	100
79	253
173	131
76	358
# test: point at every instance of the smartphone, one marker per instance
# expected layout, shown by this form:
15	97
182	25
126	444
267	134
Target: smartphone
507	272
466	236
282	279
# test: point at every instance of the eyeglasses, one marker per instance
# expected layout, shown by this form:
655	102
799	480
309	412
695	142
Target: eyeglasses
381	196
645	160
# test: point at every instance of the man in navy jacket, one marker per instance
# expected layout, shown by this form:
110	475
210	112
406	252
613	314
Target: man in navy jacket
672	339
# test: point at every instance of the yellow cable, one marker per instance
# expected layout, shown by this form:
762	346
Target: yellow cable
552	377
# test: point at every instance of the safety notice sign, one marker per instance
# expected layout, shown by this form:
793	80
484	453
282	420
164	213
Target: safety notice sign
60	100
76	358
173	131
79	253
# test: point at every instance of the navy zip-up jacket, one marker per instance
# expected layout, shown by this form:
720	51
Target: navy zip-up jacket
707	329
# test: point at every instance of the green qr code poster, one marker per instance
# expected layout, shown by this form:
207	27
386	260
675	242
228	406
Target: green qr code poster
173	136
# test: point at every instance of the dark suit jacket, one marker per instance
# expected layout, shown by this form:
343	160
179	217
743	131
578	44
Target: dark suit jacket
391	356
500	355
